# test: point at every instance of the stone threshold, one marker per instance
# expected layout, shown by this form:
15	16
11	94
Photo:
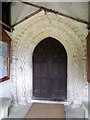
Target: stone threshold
50	102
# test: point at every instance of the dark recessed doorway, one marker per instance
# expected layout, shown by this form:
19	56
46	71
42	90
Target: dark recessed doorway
50	70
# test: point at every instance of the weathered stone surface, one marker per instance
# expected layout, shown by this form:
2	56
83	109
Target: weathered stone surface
26	40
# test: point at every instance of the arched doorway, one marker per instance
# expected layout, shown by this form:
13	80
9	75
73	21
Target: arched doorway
50	70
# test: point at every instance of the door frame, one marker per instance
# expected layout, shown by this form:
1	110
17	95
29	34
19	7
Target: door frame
33	97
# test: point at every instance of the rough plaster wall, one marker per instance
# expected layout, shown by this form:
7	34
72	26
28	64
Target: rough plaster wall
89	69
25	41
18	13
89	58
75	9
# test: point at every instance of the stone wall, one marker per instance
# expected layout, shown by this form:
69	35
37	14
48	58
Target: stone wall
25	40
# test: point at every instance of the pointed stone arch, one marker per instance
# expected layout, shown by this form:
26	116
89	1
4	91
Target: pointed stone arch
30	35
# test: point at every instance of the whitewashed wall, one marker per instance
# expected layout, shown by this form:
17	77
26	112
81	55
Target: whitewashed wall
25	40
17	36
89	70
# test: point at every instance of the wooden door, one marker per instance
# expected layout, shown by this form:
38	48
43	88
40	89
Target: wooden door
50	70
